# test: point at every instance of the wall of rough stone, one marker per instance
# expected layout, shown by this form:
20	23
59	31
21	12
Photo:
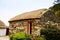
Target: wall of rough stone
21	26
48	18
18	26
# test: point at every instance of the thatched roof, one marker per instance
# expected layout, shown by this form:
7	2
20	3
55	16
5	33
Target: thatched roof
2	25
29	15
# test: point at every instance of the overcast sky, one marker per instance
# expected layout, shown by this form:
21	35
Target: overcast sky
11	8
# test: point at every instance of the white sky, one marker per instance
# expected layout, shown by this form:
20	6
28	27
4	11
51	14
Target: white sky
11	8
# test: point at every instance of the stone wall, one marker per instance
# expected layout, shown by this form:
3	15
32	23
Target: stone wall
36	27
18	26
21	26
48	18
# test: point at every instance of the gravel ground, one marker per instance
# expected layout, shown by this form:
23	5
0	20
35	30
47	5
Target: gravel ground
4	38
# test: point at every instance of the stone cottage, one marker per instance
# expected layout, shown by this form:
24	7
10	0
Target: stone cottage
32	22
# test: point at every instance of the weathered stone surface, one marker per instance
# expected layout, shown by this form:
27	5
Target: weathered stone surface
19	26
48	18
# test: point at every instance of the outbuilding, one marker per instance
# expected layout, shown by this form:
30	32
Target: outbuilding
32	22
2	29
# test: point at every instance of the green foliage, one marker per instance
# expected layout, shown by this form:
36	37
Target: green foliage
11	37
58	14
56	9
29	36
40	38
18	36
51	33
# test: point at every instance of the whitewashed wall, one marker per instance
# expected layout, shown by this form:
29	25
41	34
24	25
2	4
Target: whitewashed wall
2	32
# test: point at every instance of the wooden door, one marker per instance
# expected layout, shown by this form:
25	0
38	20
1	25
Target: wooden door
29	27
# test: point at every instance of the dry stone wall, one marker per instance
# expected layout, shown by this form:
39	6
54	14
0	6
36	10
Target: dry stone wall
19	26
48	18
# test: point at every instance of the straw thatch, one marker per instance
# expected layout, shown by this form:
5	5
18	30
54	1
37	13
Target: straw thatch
29	15
2	25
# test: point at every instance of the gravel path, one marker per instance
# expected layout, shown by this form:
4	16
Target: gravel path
4	38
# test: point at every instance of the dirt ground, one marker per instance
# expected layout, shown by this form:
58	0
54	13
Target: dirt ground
4	38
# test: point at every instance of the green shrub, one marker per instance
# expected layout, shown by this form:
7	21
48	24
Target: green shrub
18	36
29	36
12	37
40	38
51	33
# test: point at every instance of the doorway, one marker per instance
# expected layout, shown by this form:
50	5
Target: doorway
29	27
